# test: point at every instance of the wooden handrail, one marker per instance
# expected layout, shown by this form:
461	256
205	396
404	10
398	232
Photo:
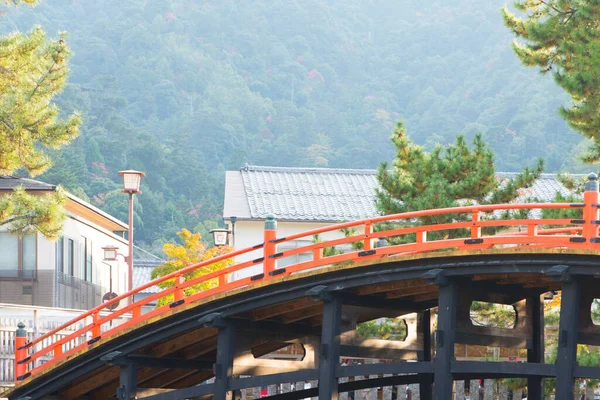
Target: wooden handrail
534	236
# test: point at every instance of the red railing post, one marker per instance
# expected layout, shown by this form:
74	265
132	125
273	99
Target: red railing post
367	241
475	228
590	209
270	247
179	279
96	331
136	312
20	351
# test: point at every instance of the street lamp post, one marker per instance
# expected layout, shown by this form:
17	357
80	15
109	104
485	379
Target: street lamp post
131	186
233	221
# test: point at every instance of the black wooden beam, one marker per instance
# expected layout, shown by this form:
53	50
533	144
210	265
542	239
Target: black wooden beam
483	339
224	364
535	353
567	337
296	329
193	391
445	335
587	372
156	362
425	380
385	368
127	382
330	349
402	306
273	379
375	352
348	387
500	369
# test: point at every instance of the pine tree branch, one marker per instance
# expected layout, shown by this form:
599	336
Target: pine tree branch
48	72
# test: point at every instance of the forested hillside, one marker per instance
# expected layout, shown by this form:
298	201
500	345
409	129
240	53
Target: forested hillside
185	89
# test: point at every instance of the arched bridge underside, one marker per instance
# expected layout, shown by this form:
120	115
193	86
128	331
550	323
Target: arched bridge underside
168	356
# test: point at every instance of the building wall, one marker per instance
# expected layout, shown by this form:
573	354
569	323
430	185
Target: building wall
52	285
250	233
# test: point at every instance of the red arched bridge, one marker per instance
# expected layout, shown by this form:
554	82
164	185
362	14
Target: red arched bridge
174	350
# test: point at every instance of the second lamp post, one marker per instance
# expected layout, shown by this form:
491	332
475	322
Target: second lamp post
131	186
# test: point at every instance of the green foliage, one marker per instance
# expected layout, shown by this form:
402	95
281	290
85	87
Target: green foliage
23	213
448	176
492	314
384	328
32	71
192	251
184	90
563	36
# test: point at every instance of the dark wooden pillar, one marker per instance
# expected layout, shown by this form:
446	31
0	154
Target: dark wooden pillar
426	380
535	354
445	337
330	348
127	382
225	355
566	360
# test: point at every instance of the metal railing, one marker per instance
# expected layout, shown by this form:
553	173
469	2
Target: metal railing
535	233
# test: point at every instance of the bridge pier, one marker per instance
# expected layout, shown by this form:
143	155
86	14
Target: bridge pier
330	348
535	353
425	380
225	355
127	382
445	335
566	359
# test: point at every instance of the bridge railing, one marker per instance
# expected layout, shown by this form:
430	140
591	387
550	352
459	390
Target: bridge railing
463	227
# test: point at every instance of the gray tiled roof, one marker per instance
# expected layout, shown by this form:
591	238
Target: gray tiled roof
309	194
11	182
322	194
143	264
544	189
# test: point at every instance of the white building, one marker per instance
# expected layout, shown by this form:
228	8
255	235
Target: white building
69	272
308	198
301	199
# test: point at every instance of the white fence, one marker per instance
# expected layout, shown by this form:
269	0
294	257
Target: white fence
38	321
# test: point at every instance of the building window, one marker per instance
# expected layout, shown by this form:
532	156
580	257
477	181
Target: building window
29	252
60	254
296	258
18	255
9	255
70	264
87	259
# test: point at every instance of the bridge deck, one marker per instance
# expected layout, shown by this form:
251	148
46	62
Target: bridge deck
389	287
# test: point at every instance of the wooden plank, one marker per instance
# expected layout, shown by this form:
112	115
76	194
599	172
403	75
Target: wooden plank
109	389
411	291
93	382
389	286
175	344
199	349
192	379
302	314
278	309
425	297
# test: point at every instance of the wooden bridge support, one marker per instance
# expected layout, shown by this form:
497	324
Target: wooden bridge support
445	336
425	380
330	349
568	337
127	382
535	353
224	362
